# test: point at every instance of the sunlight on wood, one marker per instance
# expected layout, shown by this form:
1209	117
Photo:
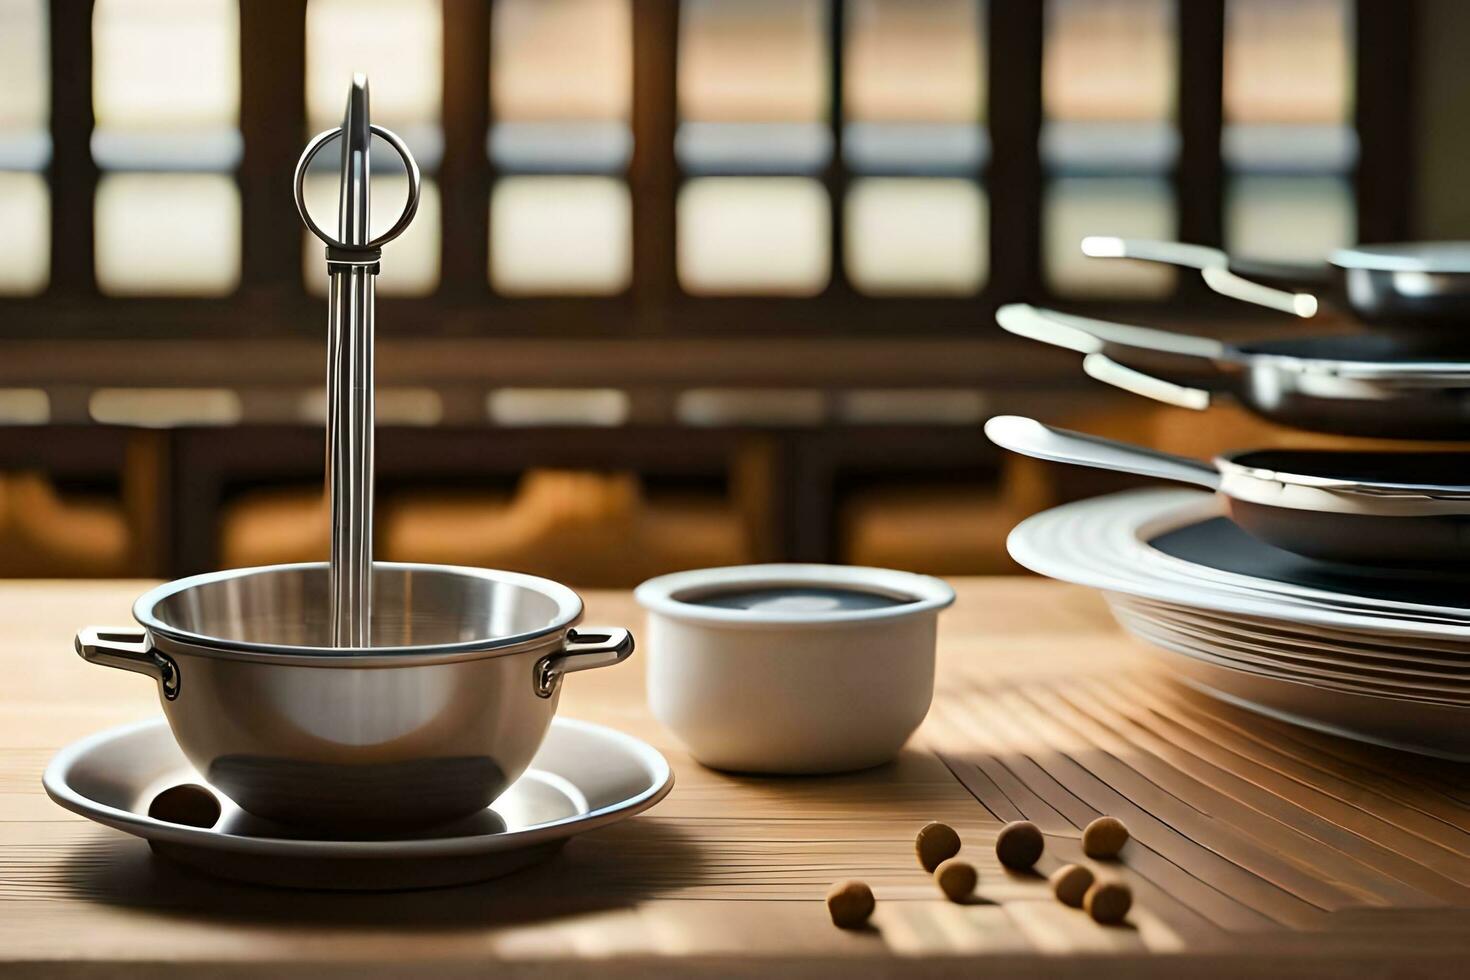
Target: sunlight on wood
24	406
557	406
164	407
916	406
751	406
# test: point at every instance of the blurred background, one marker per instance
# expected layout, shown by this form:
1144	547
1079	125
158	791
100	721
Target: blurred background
692	283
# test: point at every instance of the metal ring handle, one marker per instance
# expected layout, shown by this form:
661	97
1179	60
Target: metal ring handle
410	208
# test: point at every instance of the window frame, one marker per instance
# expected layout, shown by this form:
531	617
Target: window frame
272	299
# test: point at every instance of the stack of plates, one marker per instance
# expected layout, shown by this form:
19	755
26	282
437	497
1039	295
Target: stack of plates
1376	655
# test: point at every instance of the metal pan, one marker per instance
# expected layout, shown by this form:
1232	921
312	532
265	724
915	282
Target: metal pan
1353	384
1411	286
1367	508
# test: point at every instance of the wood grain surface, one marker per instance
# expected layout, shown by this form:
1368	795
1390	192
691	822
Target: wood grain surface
1258	848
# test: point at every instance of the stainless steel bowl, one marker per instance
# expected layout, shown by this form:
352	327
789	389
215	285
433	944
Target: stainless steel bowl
431	722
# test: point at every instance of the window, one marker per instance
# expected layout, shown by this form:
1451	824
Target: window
564	234
917	219
25	148
1108	141
754	234
814	153
561	89
398	44
916	235
1288	143
753	123
561	85
166	95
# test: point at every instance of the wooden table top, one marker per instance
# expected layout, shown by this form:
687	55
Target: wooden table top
1258	847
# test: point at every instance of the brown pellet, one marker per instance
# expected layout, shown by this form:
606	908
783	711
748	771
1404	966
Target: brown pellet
936	843
1108	901
956	879
1019	845
1069	884
1104	838
188	804
850	903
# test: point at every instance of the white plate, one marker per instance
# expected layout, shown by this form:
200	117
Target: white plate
1399	668
1097	543
1428	729
1398	592
584	776
1103	543
1132	527
1439	656
1268	662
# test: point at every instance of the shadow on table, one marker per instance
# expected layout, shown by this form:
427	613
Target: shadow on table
912	773
599	871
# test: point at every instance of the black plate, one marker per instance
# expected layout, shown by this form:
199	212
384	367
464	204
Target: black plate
1438	470
1360	347
1219	544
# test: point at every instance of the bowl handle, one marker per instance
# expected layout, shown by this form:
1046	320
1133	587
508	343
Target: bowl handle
129	648
582	650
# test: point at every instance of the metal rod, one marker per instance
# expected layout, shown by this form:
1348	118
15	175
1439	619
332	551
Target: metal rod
352	263
350	390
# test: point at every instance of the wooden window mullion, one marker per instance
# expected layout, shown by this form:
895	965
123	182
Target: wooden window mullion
1384	60
466	174
1199	179
72	174
653	174
273	129
836	177
1014	84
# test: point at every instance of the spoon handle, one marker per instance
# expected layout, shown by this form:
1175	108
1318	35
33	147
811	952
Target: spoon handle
1032	438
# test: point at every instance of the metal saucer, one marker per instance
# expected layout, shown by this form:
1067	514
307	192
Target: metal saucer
584	776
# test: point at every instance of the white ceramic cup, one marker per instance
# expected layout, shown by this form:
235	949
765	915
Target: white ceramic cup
792	668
